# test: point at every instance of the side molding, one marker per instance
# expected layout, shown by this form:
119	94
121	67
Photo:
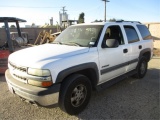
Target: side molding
104	71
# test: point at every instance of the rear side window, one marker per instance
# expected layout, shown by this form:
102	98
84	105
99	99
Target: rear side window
131	33
144	32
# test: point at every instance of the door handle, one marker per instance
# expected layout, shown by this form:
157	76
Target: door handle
140	46
125	50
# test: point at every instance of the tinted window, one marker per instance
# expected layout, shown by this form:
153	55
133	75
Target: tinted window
131	33
144	32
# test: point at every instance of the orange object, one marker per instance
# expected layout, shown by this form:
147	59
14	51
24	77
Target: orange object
46	83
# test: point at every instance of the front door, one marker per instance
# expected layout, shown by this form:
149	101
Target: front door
113	61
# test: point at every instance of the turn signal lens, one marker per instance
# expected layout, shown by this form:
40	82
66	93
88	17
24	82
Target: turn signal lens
40	83
46	83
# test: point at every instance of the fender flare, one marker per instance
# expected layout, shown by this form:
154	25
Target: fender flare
66	72
144	51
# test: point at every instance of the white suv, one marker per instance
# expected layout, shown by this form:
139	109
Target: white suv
83	58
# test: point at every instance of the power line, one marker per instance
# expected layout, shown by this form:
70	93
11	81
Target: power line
27	7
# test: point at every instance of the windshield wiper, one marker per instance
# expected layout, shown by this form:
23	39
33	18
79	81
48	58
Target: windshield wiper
69	43
73	43
57	42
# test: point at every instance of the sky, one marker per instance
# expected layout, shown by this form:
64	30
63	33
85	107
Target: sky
40	11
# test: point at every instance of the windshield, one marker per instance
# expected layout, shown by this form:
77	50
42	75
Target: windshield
84	36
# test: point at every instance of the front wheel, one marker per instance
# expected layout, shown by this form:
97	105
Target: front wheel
141	68
75	94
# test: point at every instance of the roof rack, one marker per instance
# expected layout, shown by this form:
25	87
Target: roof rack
128	21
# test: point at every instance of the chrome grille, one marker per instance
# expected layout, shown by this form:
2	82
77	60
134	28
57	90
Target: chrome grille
22	69
20	77
18	72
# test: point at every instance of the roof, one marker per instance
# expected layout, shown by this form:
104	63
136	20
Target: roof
11	19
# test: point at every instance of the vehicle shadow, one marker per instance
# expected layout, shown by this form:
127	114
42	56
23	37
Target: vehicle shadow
129	99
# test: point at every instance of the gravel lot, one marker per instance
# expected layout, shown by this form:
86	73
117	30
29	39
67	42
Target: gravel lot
128	99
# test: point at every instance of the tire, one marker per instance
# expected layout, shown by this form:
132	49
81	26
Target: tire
75	94
141	68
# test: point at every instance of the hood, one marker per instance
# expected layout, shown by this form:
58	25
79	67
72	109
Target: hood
42	54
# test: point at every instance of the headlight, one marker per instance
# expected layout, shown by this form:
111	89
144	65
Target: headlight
38	72
44	77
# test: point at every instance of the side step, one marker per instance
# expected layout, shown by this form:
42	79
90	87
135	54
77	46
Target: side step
115	80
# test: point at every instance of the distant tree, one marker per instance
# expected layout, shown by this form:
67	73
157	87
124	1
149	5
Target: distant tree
33	24
98	20
112	20
12	26
81	18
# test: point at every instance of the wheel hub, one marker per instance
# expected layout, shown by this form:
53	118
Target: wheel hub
78	95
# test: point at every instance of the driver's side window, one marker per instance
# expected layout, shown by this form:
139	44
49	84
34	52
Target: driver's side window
114	32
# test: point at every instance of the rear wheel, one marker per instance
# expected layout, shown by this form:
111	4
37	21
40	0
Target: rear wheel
141	68
75	94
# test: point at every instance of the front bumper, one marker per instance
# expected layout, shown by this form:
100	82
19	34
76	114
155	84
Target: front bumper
42	96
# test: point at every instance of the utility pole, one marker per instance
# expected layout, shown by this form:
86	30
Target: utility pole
105	9
64	16
63	9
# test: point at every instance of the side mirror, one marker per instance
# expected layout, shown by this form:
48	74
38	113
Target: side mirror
91	44
110	43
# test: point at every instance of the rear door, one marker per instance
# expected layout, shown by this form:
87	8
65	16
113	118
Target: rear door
134	46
